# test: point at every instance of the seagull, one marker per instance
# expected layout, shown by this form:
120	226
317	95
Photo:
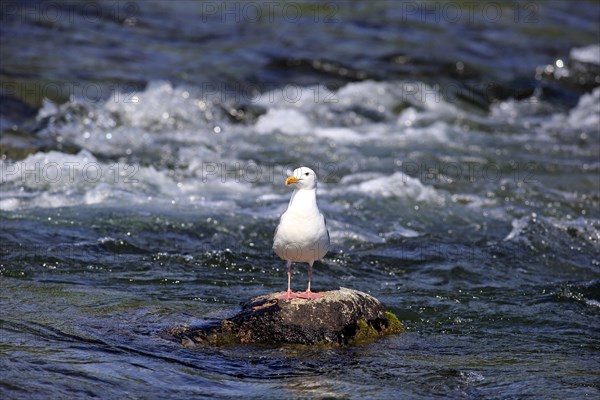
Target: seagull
301	235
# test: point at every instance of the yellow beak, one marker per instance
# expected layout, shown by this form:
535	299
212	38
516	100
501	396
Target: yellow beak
291	179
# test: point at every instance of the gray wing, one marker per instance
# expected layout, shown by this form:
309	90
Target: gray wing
326	228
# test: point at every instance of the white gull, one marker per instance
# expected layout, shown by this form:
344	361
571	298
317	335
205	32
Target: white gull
301	235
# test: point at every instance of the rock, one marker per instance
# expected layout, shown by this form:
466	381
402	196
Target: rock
342	317
17	144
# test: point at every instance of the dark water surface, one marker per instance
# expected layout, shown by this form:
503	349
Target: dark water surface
144	148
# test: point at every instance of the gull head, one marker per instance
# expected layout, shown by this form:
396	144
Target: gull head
302	178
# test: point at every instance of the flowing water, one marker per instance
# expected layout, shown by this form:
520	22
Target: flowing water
144	151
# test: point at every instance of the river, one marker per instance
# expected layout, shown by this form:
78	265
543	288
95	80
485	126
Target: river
144	151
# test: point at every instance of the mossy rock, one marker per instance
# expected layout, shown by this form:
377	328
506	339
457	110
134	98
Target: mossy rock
341	317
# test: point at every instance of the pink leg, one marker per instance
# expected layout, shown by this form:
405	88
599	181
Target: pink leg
308	294
289	294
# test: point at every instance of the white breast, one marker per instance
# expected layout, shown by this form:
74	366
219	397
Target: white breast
301	235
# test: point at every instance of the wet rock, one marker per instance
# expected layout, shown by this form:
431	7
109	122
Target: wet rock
16	144
314	71
341	317
243	112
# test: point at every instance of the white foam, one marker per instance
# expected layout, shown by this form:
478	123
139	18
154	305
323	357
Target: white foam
435	132
401	232
355	112
517	227
382	96
587	112
408	117
512	110
154	120
588	54
47	169
9	204
396	185
588	230
339	235
48	109
584	116
295	96
340	232
374	95
160	105
287	121
55	179
341	134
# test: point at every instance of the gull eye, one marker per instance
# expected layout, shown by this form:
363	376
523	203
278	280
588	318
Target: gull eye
306	174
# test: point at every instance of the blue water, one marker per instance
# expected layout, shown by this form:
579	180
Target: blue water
144	151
